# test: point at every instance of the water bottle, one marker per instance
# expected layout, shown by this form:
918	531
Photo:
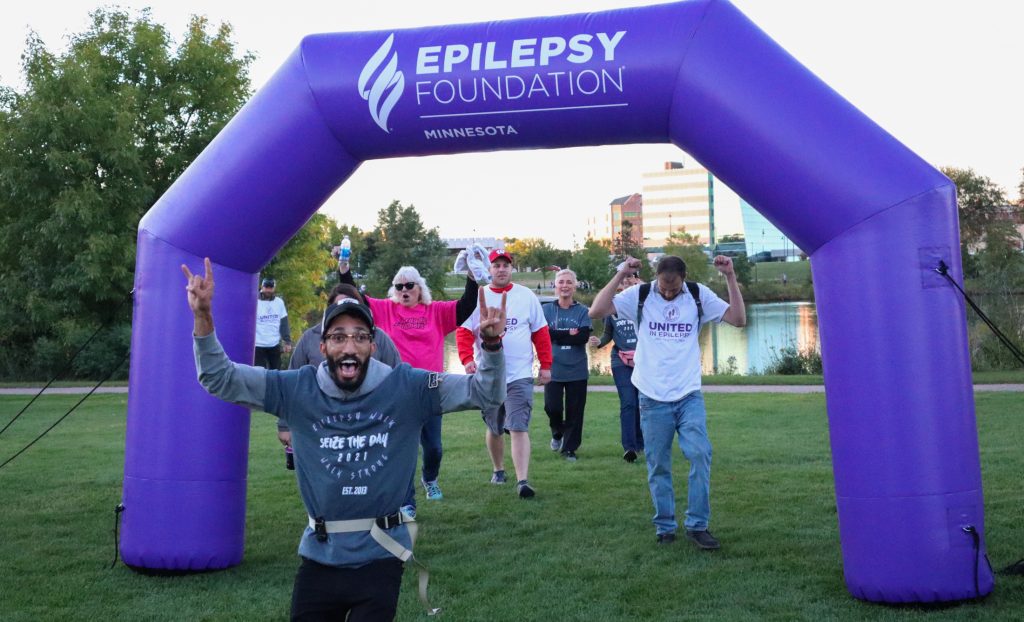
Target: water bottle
289	458
346	249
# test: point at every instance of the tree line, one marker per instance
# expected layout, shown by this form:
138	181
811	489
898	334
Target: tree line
101	130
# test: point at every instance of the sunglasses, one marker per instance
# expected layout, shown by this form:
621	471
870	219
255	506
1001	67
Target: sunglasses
400	286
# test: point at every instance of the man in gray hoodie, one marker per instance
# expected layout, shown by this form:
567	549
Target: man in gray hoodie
355	426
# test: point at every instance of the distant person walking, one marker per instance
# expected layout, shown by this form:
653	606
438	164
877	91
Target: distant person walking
565	397
272	329
668	314
622	333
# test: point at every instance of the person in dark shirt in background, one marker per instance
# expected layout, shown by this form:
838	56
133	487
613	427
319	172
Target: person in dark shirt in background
565	397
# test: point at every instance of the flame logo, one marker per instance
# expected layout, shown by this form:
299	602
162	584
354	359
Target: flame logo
383	94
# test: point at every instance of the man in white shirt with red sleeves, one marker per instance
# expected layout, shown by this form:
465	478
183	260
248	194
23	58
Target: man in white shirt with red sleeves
525	330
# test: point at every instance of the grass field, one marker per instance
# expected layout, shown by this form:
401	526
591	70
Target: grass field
582	550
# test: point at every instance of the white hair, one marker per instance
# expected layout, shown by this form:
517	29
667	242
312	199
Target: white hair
567	271
410	274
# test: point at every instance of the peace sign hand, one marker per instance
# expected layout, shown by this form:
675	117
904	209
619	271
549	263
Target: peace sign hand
492	320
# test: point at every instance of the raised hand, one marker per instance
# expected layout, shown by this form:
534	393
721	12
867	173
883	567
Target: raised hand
492	320
200	298
199	288
724	265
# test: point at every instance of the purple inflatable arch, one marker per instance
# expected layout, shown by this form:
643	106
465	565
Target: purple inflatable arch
874	216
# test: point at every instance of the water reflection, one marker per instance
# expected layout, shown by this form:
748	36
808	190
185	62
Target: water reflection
770	327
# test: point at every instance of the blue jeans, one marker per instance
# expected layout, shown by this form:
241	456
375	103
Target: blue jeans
430	440
660	422
629	409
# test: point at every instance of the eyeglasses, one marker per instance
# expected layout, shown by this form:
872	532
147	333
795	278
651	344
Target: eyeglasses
400	286
338	339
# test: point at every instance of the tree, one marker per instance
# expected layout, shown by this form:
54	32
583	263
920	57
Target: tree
743	268
538	254
688	247
301	270
401	239
591	263
984	222
627	243
518	249
98	134
990	249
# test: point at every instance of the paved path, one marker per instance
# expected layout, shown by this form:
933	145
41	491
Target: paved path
764	388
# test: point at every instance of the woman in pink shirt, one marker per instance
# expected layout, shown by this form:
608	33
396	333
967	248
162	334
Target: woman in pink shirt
418	326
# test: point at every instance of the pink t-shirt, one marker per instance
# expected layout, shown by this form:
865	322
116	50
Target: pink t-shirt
418	332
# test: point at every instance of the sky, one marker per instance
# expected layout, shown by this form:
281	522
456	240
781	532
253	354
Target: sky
942	76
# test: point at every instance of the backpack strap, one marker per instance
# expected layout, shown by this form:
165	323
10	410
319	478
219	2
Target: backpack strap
695	292
645	291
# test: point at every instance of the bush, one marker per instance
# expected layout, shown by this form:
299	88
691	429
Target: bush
790	361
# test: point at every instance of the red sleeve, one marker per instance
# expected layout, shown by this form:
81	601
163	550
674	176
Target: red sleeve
464	340
542	343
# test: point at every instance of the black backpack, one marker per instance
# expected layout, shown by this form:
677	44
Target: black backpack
645	290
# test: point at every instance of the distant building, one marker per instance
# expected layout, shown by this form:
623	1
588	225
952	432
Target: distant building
764	241
691	198
676	198
620	214
599	224
608	221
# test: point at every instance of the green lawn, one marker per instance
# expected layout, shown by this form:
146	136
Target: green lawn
582	550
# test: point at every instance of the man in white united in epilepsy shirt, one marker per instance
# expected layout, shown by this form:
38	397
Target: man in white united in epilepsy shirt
667	374
355	426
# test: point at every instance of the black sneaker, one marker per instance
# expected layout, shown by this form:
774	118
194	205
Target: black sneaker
629	456
703	539
666	538
570	456
498	477
525	490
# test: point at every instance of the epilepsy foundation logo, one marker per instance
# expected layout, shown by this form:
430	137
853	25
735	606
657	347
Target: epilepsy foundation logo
387	86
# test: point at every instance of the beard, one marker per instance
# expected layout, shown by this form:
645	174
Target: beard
342	368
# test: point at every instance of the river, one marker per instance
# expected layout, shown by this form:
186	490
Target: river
770	327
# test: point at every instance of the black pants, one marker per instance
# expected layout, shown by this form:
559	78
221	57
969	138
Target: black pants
368	593
569	429
269	358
